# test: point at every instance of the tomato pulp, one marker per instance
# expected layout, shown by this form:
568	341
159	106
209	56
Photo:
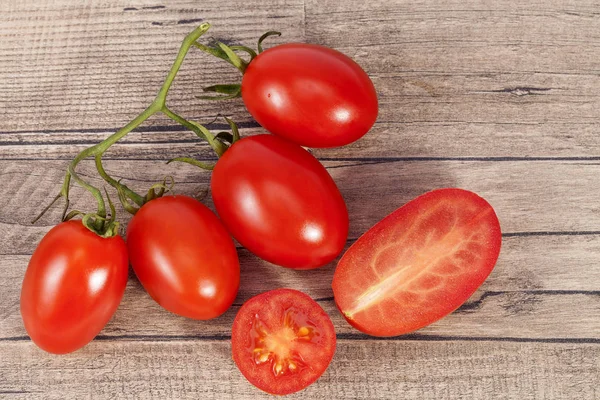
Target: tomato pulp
73	285
279	202
419	263
282	341
312	95
184	257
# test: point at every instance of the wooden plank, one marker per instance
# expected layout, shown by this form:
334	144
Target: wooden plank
542	287
416	138
95	64
498	83
452	77
411	139
360	370
537	196
455	76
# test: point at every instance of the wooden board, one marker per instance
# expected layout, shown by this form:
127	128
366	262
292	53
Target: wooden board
540	196
361	369
497	97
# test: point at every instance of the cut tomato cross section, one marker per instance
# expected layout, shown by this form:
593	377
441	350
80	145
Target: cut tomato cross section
418	264
282	341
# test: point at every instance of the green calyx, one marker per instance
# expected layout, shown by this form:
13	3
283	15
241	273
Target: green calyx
100	225
228	53
107	226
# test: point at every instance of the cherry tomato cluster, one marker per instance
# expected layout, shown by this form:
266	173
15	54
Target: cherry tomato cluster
279	202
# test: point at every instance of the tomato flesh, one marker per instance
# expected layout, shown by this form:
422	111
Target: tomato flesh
73	285
184	257
279	202
282	341
418	264
312	95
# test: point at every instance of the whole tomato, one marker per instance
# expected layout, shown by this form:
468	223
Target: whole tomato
73	285
184	257
279	202
312	95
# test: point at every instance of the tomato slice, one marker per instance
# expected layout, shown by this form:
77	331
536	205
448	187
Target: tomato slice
282	341
418	264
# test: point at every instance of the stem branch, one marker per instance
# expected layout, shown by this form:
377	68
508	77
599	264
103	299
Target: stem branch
158	105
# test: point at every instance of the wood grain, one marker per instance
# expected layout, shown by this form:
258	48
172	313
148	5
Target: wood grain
370	369
451	77
497	97
528	196
96	64
541	288
472	78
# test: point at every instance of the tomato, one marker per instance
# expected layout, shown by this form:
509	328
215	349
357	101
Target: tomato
279	202
73	285
282	341
312	95
418	264
184	257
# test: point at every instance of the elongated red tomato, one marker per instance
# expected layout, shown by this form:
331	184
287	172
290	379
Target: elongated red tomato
418	264
184	257
312	95
279	202
73	285
282	341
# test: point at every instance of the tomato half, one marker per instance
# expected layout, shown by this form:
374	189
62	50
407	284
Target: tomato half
419	263
73	285
312	95
282	341
279	202
184	257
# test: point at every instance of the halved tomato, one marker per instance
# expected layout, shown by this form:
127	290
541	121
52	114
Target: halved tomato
282	341
419	263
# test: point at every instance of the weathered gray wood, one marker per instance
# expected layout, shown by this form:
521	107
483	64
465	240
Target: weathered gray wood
361	370
498	82
452	77
542	287
98	63
472	78
442	139
534	196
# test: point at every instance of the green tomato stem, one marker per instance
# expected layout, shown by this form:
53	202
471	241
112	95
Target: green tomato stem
97	222
264	36
198	129
136	198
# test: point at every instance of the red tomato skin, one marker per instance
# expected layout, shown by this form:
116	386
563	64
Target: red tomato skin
270	307
184	257
312	95
279	202
409	313
73	285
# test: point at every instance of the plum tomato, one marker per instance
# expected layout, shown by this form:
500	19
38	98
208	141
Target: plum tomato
184	257
418	264
279	202
282	341
312	95
73	285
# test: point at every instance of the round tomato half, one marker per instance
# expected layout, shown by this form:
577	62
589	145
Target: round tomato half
312	95
73	285
282	341
279	202
419	263
184	257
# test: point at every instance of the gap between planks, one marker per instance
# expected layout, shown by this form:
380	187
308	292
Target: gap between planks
350	337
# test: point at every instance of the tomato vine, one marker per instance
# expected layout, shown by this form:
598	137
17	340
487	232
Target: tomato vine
98	221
